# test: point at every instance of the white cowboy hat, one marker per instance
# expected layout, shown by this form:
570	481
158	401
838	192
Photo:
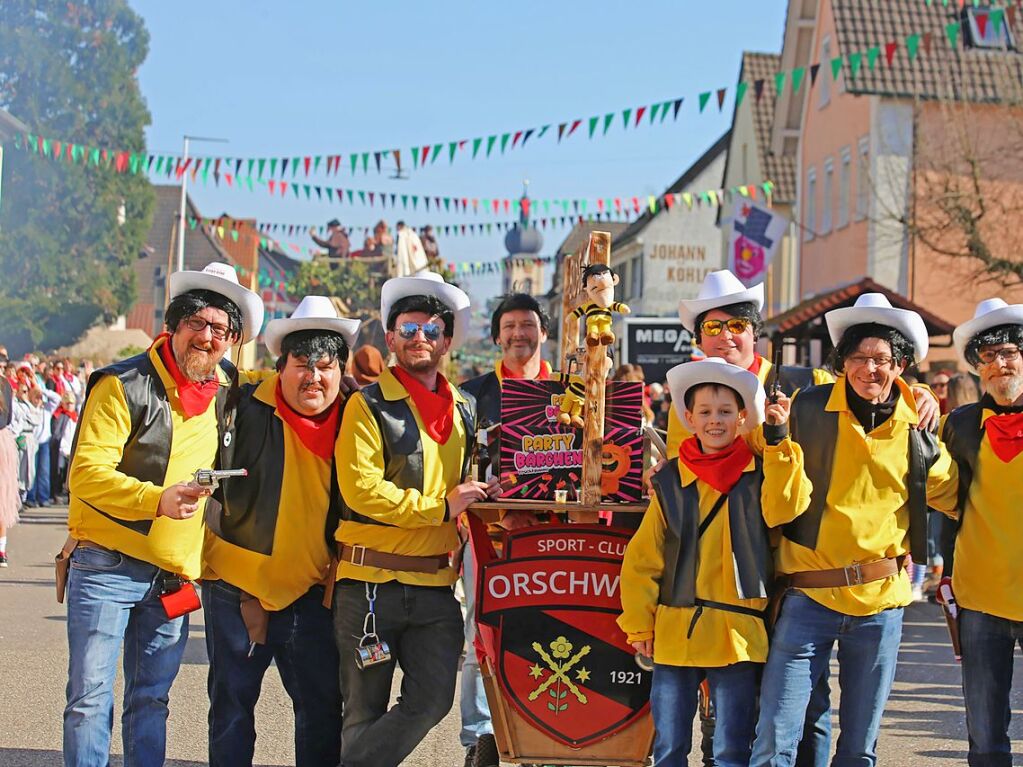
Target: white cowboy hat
682	378
720	288
428	284
221	278
313	313
990	313
875	308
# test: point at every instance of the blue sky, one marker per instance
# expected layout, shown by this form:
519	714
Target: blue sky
317	77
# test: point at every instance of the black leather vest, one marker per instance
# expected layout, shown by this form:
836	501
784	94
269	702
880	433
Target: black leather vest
962	435
751	550
146	452
403	445
816	430
487	391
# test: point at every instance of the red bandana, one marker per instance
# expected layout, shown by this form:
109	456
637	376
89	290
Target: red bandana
436	409
1005	432
72	414
720	470
543	375
755	367
195	397
317	432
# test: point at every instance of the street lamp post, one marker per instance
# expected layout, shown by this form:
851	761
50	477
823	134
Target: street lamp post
184	194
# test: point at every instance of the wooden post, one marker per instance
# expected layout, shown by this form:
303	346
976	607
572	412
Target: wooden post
571	296
598	251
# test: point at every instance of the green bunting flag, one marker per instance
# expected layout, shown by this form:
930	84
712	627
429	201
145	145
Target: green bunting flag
855	62
872	54
653	112
626	114
593	125
490	143
952	31
779	83
912	46
608	119
704	98
476	146
504	141
740	93
797	78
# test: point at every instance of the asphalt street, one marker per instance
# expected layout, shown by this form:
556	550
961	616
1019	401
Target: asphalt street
923	723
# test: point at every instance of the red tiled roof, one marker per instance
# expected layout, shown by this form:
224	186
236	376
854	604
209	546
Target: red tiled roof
944	73
846	295
781	170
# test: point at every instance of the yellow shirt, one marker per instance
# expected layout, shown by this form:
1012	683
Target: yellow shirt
414	522
678	433
300	557
989	548
104	428
719	637
866	514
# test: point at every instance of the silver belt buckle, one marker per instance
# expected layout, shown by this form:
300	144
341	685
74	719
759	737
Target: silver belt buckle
857	576
358	555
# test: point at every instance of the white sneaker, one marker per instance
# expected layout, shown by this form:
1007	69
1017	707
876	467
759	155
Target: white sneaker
918	593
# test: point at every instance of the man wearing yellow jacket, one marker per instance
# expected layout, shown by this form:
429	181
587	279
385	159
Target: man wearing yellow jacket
696	573
844	558
402	457
269	541
136	519
986	441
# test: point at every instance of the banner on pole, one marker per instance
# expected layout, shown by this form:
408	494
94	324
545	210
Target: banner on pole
757	232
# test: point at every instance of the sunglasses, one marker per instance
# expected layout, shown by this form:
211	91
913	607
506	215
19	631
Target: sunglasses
408	330
735	325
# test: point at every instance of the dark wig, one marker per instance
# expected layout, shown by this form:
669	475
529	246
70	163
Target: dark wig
430	305
194	301
515	302
315	345
746	309
1001	334
690	394
594	269
902	348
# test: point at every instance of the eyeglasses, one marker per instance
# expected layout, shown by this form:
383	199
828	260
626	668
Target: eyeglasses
735	325
859	360
1008	354
408	330
198	325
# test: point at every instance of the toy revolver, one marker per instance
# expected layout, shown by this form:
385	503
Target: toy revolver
211	477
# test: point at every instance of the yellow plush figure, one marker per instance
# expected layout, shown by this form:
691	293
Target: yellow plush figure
572	400
599	282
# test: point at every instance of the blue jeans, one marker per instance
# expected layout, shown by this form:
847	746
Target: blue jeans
472	704
868	649
40	490
673	695
300	640
422	626
988	643
112	601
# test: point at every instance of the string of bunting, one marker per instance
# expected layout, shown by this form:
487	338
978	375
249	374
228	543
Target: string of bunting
541	207
277	168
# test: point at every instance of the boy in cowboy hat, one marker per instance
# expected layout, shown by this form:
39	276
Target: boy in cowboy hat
401	458
985	441
136	518
269	543
696	573
843	560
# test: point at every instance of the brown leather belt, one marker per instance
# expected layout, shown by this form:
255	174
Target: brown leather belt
360	556
840	577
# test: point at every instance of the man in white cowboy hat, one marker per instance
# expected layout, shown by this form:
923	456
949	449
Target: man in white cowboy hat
136	518
402	455
725	321
986	440
843	560
713	504
270	539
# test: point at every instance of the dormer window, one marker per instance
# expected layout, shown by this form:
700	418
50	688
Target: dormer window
988	28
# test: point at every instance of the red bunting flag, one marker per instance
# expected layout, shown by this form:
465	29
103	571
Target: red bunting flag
889	51
639	115
575	124
516	137
981	23
307	161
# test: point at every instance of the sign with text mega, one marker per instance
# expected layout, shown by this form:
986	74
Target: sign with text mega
657	344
